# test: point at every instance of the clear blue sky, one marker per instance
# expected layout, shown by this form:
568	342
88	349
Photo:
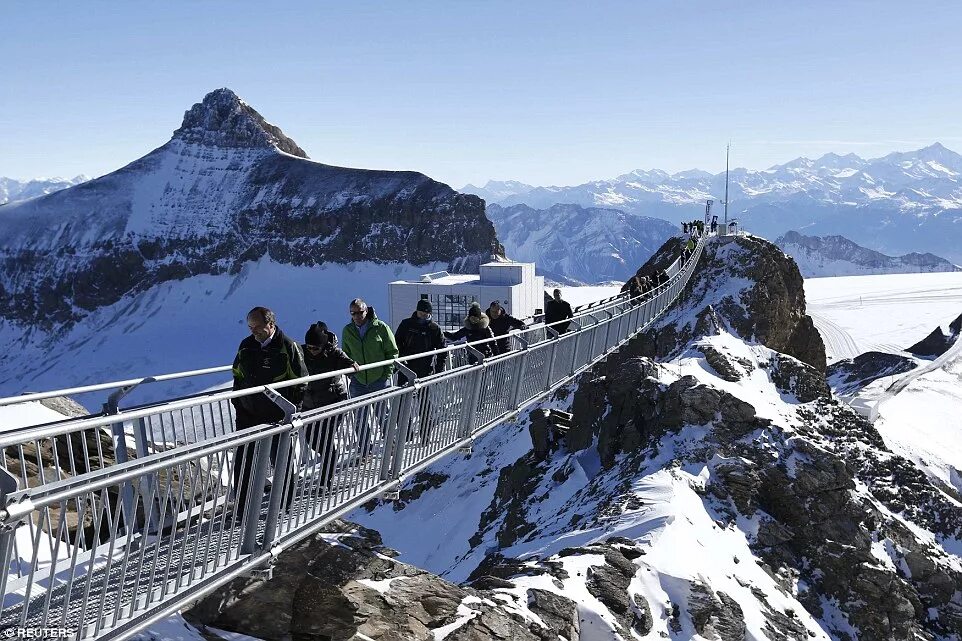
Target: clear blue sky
544	92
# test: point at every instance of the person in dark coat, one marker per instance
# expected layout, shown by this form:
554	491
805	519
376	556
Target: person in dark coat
556	310
416	335
322	355
265	357
477	327
419	334
501	323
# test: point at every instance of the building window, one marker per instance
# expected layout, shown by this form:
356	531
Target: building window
450	309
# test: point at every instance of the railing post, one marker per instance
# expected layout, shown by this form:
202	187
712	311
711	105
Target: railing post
8	529
147	480
278	490
470	411
402	432
397	431
255	492
574	351
119	439
519	374
551	358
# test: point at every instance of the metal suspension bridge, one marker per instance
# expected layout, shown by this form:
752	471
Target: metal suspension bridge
109	523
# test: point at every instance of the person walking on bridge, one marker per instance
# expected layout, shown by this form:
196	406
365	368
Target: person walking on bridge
416	335
322	355
501	323
477	327
557	309
419	334
367	339
265	357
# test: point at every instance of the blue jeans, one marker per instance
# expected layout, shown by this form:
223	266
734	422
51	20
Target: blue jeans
366	424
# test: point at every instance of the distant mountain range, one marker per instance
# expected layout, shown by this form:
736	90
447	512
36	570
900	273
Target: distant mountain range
839	256
585	244
900	203
12	190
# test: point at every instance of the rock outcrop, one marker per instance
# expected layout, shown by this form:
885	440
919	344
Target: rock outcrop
345	585
748	285
938	342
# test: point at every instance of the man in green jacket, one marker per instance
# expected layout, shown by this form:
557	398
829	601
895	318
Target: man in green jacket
367	339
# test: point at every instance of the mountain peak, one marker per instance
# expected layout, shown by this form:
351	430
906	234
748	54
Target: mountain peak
222	119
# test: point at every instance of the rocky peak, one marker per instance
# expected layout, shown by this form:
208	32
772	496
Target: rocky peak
746	285
222	119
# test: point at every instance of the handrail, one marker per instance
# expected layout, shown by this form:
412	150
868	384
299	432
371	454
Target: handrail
33	396
159	543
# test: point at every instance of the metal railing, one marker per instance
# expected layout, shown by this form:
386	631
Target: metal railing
110	523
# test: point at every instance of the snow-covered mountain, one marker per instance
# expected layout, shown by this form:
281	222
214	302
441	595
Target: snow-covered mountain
587	244
227	215
900	203
707	484
12	190
496	190
839	256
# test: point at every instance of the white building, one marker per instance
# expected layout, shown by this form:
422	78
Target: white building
514	285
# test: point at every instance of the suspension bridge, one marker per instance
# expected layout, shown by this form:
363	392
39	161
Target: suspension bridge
111	522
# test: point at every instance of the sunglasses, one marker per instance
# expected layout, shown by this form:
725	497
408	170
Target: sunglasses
312	348
357	313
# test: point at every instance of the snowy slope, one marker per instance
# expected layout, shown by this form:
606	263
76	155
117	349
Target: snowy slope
662	506
887	313
189	324
922	422
586	244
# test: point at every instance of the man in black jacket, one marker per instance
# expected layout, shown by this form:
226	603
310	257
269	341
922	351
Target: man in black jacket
419	334
265	357
416	335
555	310
501	323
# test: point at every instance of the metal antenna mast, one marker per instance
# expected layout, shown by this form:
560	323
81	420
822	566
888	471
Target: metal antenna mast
727	151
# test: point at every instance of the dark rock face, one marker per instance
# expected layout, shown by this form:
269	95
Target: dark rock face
938	342
336	592
715	614
222	119
79	249
750	286
851	375
798	379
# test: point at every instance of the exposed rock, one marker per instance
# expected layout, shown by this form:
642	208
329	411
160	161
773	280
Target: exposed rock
719	362
848	376
938	342
336	592
558	613
66	406
803	381
715	614
753	288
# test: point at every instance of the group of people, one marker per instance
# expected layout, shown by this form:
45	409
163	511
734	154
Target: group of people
268	356
642	286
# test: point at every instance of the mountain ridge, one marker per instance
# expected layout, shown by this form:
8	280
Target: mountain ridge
227	189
